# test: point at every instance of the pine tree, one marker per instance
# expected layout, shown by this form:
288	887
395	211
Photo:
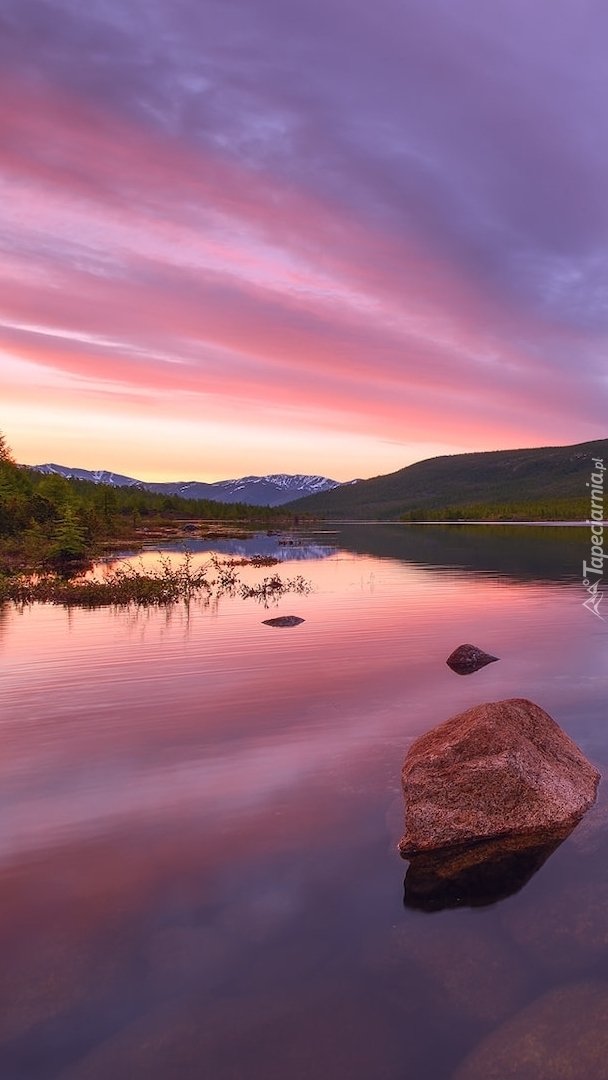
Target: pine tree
69	544
6	454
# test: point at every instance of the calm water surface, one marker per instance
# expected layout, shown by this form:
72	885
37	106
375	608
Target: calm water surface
198	865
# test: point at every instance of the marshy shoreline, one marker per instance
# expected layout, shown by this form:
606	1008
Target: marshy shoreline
164	584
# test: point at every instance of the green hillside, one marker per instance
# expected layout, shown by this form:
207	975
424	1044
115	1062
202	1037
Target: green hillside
546	483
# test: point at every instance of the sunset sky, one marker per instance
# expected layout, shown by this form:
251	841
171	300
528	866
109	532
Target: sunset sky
319	236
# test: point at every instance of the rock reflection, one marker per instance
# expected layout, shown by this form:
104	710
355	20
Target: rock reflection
480	874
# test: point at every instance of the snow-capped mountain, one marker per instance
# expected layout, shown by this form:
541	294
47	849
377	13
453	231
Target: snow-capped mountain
98	476
274	490
256	490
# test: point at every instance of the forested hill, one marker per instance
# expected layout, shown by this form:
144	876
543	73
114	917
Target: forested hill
538	484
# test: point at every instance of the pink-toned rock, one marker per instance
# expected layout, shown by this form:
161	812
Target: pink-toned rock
560	1036
502	769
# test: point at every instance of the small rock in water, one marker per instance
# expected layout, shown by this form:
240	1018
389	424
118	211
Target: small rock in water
499	770
283	620
468	658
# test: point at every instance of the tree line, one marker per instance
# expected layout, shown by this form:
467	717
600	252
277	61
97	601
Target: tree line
49	521
547	509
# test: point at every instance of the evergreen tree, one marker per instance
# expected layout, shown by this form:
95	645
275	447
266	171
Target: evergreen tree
6	454
69	543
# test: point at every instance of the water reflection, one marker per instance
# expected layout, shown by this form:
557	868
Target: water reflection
196	872
524	553
286	547
4	621
478	875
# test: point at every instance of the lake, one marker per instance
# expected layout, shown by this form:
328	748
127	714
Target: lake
198	866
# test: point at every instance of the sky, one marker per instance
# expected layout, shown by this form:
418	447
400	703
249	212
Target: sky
307	236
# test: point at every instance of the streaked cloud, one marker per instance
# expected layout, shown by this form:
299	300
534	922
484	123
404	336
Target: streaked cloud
378	233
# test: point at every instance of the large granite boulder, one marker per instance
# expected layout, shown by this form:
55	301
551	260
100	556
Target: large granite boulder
500	770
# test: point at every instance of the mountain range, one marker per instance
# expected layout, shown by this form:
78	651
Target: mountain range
274	490
543	481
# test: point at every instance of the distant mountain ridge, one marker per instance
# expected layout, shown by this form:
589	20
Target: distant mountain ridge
274	490
546	481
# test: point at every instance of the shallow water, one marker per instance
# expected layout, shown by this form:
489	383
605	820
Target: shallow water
198	865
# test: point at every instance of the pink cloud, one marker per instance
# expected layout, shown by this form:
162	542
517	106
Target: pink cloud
173	276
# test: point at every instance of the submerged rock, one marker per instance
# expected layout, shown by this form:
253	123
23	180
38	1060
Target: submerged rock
562	1034
468	658
283	620
469	973
566	935
499	770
